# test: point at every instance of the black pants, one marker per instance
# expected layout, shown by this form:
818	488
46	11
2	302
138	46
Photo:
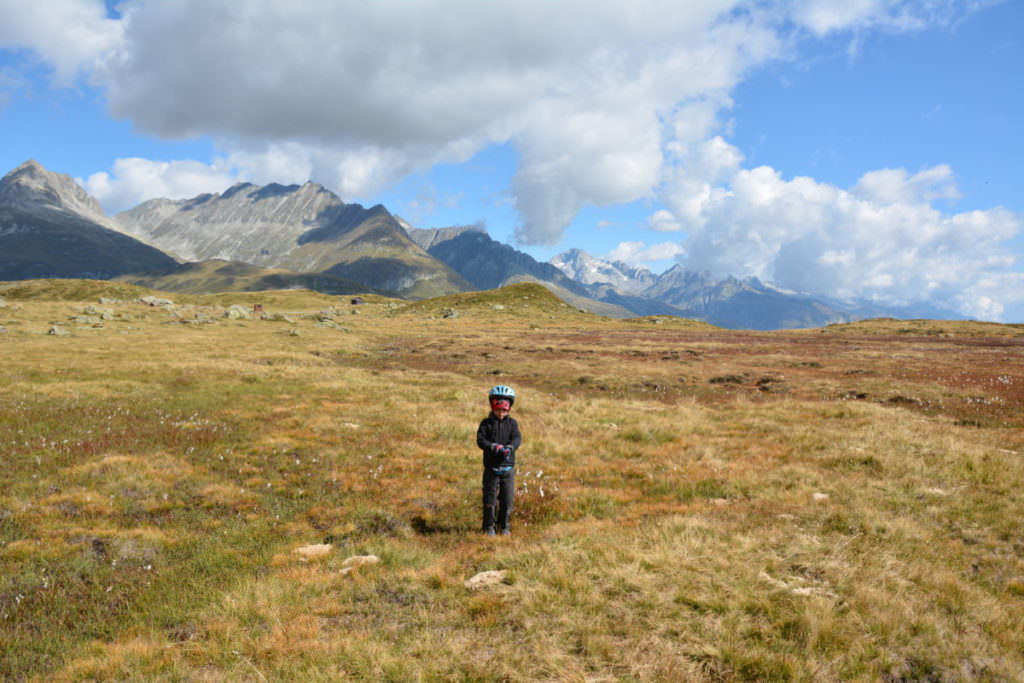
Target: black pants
499	490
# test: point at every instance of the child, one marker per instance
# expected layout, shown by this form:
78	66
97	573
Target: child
498	437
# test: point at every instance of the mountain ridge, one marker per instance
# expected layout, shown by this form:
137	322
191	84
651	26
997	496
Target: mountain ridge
304	235
301	228
50	227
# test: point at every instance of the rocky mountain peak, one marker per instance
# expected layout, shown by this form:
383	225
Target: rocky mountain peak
31	188
589	270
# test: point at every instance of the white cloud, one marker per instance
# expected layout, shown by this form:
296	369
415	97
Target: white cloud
136	180
883	240
599	97
637	253
361	94
69	35
663	221
895	185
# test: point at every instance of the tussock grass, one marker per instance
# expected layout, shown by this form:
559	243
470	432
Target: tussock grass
692	503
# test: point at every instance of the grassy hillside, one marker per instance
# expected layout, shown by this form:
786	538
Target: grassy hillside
183	494
948	328
234	276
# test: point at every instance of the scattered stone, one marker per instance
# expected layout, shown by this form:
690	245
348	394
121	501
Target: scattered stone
485	580
450	313
3	330
819	497
154	301
3	302
104	301
103	313
314	552
237	312
294	332
58	331
86	320
356	561
498	307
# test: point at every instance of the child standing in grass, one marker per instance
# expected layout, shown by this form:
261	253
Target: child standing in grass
498	437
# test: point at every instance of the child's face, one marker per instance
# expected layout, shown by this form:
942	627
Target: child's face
500	407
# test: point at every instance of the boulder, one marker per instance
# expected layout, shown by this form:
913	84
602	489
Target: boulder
154	301
237	312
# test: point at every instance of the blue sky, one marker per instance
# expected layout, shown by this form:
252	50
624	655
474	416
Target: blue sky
857	148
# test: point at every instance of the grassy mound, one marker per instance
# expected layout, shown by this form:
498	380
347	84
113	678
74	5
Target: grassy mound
947	328
70	290
523	300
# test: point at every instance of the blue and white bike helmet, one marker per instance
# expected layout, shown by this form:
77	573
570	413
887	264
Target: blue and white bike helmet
502	392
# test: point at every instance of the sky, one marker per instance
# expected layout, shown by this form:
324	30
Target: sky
855	149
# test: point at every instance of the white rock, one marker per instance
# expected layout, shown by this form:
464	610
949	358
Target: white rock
315	551
820	497
357	561
488	579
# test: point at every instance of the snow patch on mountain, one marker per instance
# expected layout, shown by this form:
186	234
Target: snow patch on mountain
590	270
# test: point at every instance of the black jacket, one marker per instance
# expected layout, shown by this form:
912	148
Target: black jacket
504	432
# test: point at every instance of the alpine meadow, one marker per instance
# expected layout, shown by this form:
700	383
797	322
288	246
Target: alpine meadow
284	485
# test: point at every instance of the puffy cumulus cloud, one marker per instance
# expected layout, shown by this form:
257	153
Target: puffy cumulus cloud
583	89
68	35
692	182
136	180
604	101
636	253
895	185
883	240
663	221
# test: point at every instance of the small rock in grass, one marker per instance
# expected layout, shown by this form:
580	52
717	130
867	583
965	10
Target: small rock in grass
356	561
484	580
315	551
820	497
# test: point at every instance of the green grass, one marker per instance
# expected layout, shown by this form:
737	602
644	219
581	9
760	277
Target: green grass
160	477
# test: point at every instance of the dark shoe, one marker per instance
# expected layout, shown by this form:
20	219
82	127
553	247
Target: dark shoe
489	531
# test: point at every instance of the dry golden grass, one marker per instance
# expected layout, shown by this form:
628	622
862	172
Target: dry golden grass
693	503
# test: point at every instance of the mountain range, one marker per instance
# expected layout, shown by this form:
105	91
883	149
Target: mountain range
252	237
